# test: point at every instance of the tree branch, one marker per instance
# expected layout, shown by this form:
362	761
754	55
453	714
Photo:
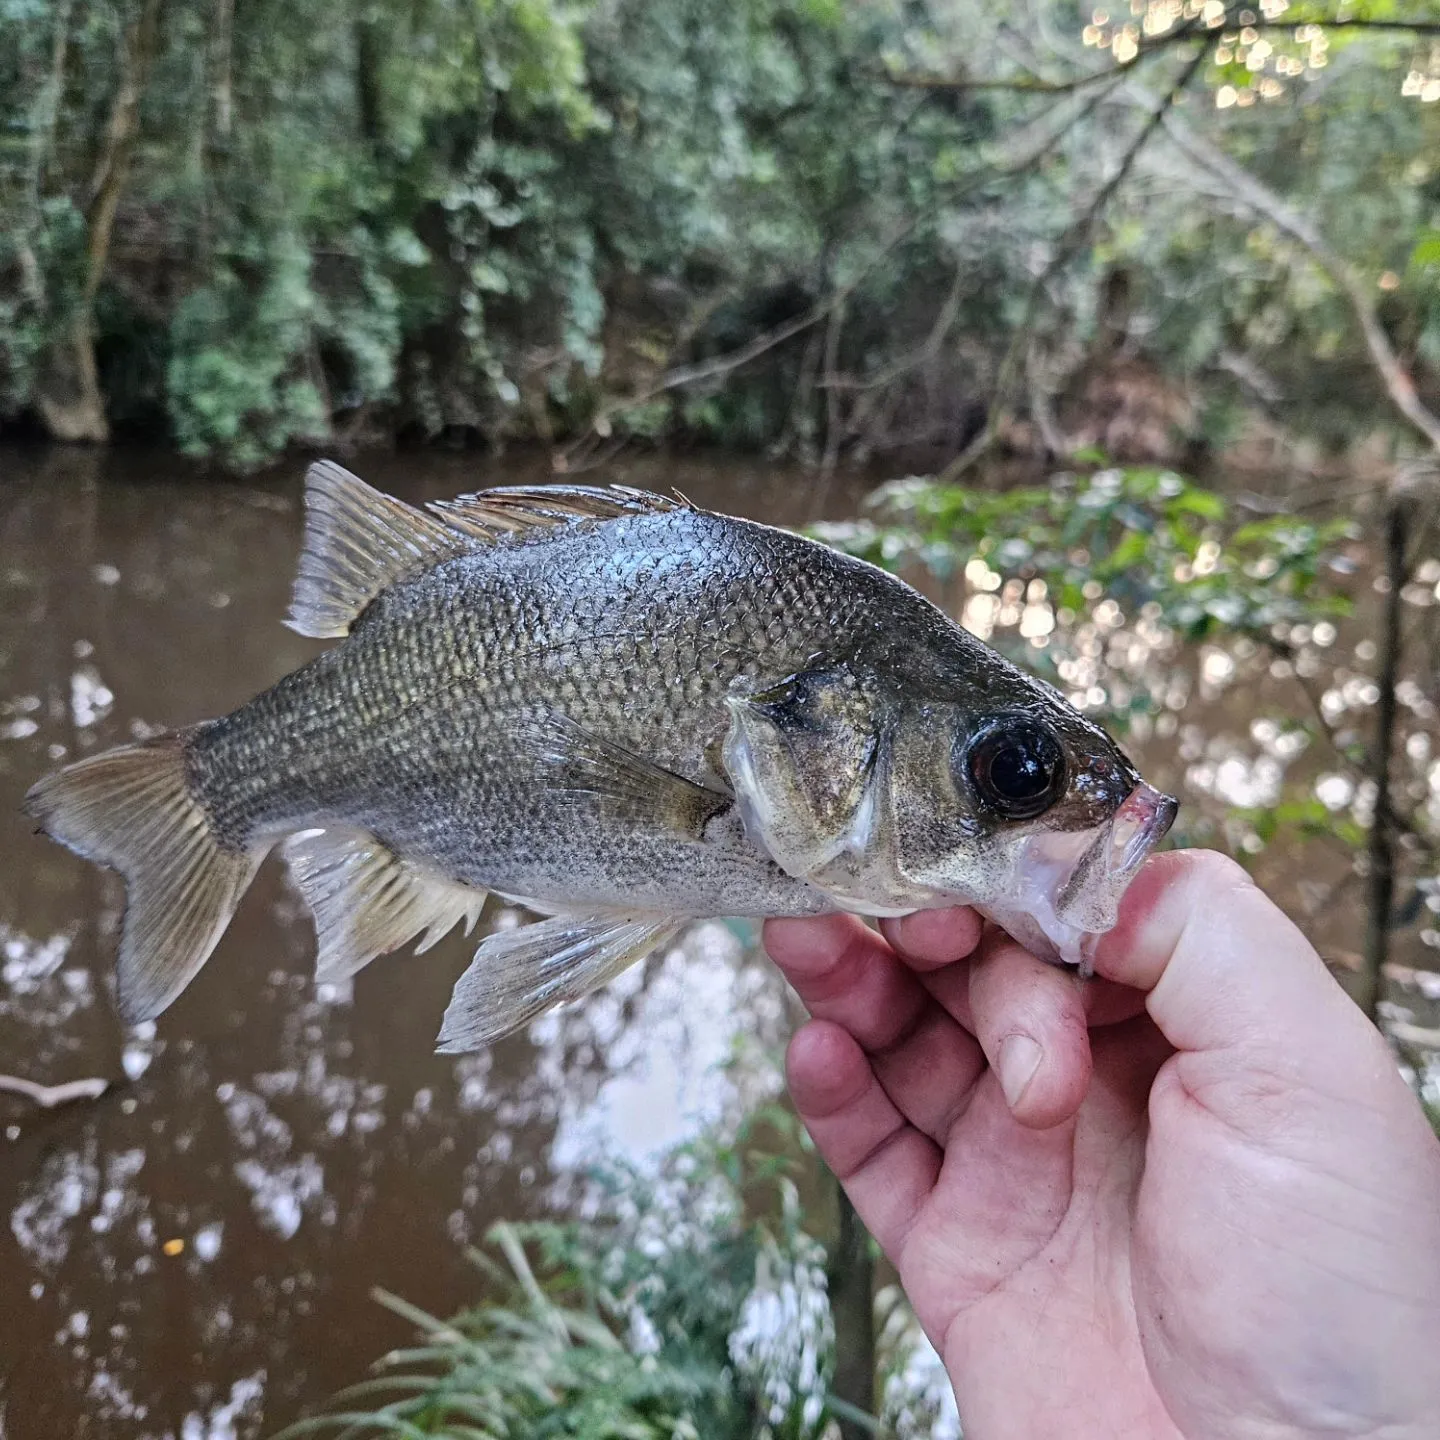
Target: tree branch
1034	85
1023	84
47	107
1069	244
49	1096
1400	27
691	374
1241	185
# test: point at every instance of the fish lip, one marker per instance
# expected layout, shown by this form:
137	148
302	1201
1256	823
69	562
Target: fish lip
1068	886
1089	898
1136	828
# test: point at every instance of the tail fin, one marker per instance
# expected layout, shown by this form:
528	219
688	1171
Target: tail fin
132	809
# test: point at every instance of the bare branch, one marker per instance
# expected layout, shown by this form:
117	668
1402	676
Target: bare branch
925	351
1257	197
46	113
1041	410
1397	27
1021	84
683	375
1035	85
832	397
1069	244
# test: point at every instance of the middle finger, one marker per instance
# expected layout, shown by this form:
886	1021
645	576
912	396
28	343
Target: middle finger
844	972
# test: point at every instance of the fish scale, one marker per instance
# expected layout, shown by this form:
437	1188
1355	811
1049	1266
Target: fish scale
499	622
625	712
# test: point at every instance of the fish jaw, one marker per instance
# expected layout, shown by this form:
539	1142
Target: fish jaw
1067	887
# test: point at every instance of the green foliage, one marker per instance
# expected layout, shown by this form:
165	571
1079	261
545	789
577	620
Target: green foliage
1142	538
457	214
1307	818
53	250
237	372
693	1305
497	217
1116	584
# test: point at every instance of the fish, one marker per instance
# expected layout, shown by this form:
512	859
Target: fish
624	713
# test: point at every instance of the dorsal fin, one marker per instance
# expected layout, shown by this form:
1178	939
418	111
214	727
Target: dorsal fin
488	515
358	542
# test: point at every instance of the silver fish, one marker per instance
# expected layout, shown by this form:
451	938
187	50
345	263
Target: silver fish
623	712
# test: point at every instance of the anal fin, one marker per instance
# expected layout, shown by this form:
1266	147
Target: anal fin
367	901
519	974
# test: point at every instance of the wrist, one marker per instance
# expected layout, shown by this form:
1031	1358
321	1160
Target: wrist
1005	1389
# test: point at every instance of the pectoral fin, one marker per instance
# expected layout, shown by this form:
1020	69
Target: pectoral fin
575	759
519	974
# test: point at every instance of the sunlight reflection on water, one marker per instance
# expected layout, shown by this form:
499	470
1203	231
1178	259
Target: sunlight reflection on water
194	1254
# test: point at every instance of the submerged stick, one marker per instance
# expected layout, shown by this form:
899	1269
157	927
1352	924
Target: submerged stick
852	1301
50	1096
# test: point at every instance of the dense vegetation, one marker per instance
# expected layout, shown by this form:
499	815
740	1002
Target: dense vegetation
691	1304
1161	608
1178	228
796	223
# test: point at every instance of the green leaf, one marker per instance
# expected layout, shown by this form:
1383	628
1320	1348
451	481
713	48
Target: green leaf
1426	250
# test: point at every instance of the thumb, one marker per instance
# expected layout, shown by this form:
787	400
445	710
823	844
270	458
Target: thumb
1225	970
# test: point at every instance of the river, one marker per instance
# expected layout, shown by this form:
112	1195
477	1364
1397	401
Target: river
193	1255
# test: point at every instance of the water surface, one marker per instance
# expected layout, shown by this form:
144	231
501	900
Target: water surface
192	1256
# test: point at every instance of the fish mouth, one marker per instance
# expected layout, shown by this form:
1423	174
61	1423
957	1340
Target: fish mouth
1069	886
1136	828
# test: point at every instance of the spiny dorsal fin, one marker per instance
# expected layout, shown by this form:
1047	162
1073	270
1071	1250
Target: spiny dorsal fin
367	901
358	542
519	974
512	510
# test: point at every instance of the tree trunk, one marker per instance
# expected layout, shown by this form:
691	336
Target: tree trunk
1380	851
47	108
852	1302
68	395
223	89
369	47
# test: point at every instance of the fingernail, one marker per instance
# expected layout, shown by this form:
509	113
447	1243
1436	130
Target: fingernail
1020	1058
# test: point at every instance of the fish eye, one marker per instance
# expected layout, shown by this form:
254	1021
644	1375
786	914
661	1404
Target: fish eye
1017	768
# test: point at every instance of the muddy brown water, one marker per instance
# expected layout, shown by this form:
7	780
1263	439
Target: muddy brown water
193	1255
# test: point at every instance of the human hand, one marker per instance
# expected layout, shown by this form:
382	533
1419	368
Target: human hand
1210	1206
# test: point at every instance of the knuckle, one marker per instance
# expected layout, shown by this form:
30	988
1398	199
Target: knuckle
1210	871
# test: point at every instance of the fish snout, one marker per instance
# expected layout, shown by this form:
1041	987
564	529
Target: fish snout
1089	898
1138	826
